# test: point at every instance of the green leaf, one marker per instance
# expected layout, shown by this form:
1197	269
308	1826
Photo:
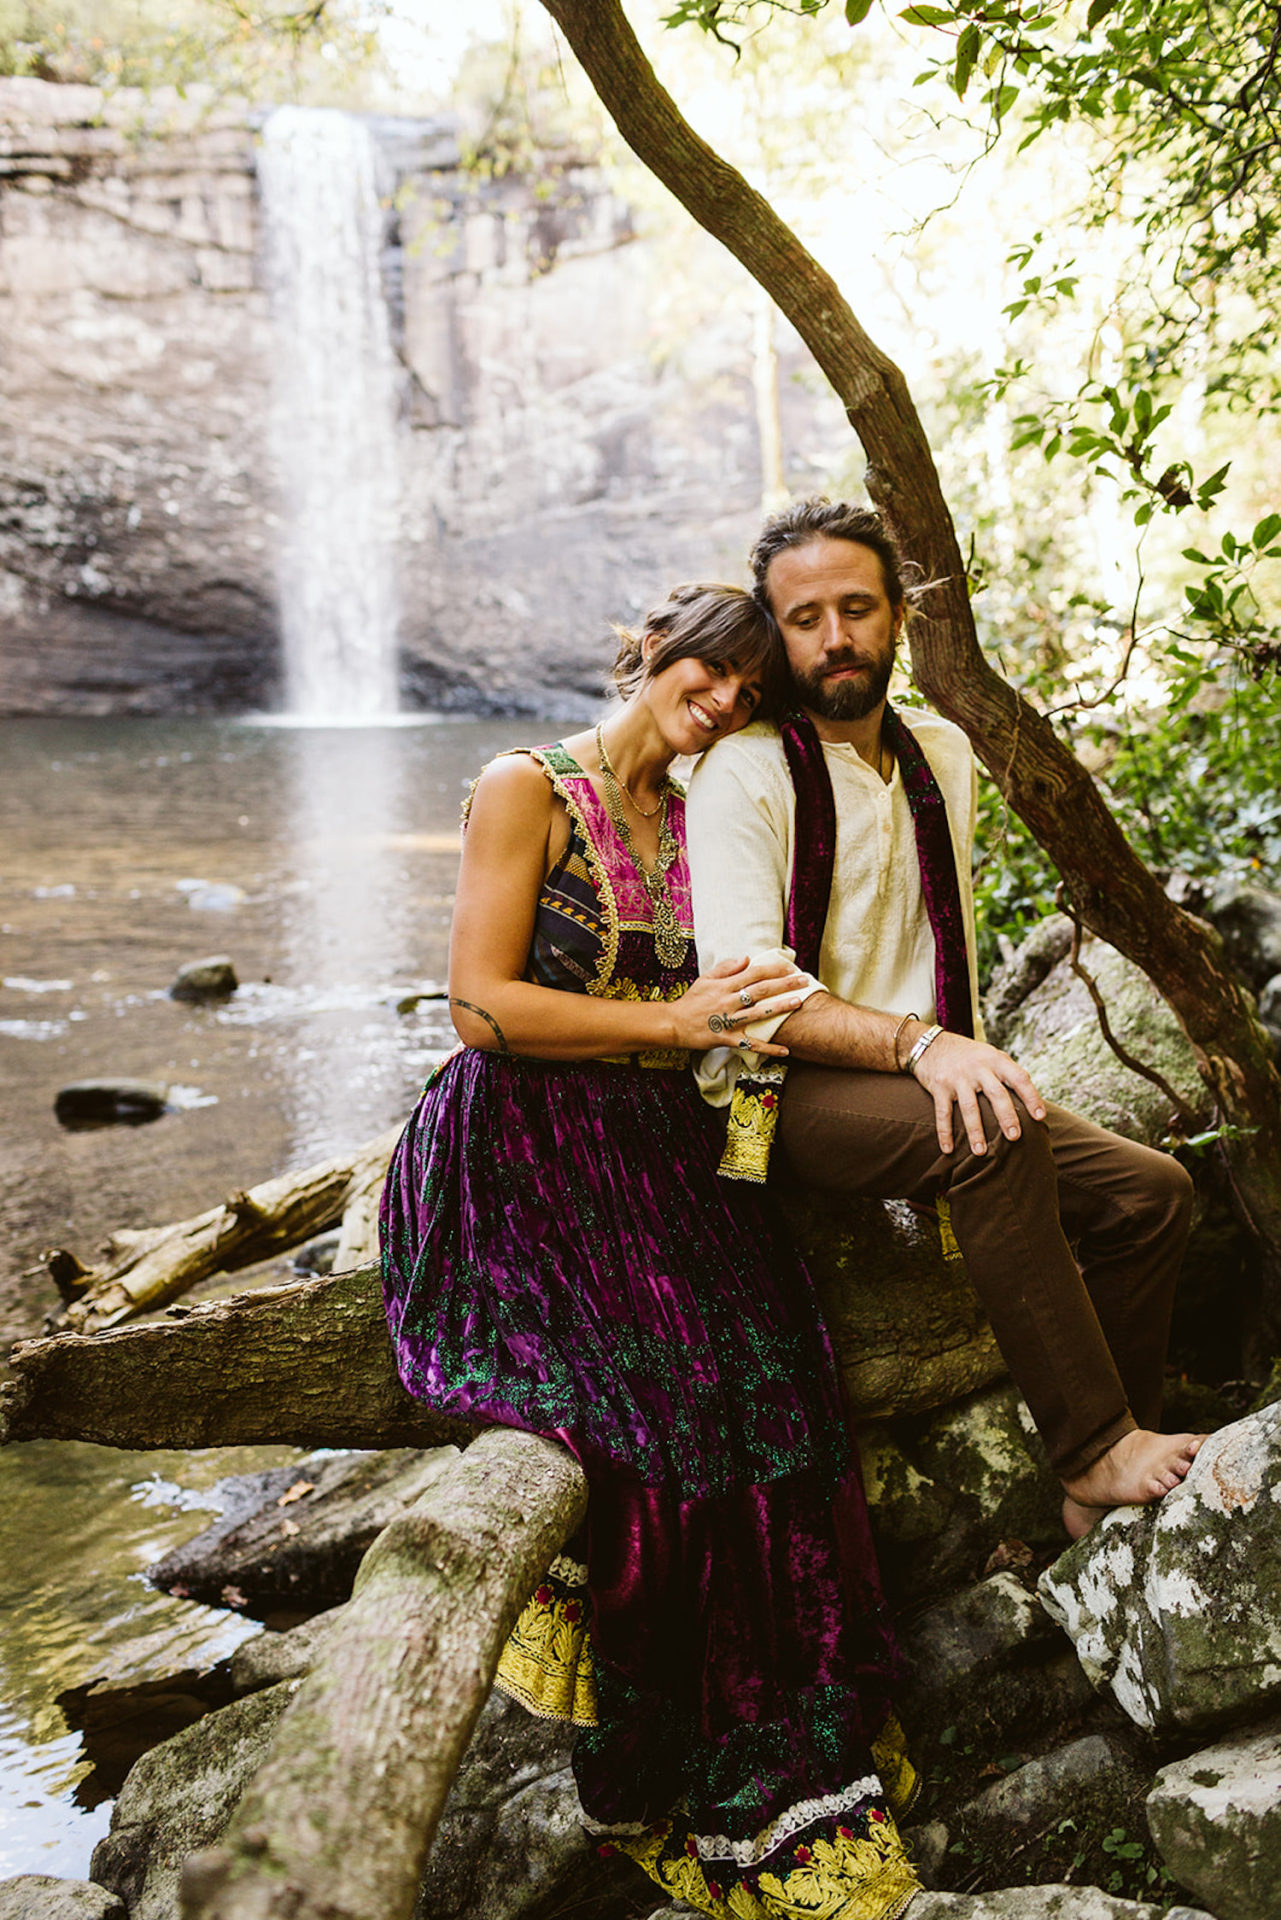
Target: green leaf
1195	553
928	16
1099	10
1266	531
856	11
1143	409
967	52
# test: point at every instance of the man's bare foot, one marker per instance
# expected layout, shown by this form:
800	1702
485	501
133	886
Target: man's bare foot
1138	1468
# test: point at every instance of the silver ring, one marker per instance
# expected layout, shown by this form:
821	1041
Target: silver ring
744	997
745	1044
718	1022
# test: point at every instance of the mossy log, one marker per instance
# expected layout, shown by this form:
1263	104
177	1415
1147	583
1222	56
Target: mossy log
148	1268
338	1821
308	1363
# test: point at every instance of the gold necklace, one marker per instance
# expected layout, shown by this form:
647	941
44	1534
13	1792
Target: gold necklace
670	942
608	768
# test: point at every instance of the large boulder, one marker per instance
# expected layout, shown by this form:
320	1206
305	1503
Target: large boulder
1175	1608
1248	919
1216	1819
1058	1902
1054	1033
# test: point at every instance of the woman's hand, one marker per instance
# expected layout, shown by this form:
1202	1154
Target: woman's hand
719	1004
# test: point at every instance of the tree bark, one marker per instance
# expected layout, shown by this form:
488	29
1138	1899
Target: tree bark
147	1269
1114	893
337	1823
308	1363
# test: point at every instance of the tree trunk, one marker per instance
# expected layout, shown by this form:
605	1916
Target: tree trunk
1114	893
337	1823
148	1269
309	1363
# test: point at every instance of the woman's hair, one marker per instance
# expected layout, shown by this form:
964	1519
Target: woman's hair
821	519
705	623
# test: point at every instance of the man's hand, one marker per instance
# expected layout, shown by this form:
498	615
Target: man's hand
956	1070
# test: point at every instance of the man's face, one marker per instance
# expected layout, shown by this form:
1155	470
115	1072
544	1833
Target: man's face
838	625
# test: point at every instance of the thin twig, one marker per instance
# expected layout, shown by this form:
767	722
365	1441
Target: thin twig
1064	904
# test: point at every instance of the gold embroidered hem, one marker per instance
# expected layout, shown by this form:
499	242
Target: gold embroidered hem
847	1876
547	1663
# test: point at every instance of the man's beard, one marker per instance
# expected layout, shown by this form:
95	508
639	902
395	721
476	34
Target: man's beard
848	699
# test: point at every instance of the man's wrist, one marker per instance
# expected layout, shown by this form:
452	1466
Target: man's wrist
919	1047
901	1042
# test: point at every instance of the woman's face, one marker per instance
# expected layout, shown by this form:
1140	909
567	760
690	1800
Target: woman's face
698	702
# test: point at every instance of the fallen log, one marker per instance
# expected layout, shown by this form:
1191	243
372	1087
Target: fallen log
337	1823
148	1268
308	1363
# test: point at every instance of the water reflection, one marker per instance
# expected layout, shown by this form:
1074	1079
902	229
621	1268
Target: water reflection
323	862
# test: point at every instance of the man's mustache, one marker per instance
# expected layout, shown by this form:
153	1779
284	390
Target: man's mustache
836	662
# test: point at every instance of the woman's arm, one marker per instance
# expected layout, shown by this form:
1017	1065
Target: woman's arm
515	822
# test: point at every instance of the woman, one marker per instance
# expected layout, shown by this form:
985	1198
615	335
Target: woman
560	1255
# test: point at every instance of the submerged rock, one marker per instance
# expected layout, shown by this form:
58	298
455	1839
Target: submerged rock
211	979
296	1535
1216	1820
1175	1608
105	1103
39	1896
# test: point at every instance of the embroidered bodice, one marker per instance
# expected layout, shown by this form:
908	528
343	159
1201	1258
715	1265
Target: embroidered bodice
593	930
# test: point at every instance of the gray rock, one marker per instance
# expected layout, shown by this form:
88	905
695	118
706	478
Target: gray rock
510	1837
299	1533
990	1662
39	1896
271	1657
1249	921
1018	976
104	1103
179	1799
1058	1902
1055	1035
211	979
927	1849
1216	1821
1270	1002
945	1489
1174	1607
1036	1794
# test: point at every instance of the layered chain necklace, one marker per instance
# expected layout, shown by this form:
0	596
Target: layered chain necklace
669	941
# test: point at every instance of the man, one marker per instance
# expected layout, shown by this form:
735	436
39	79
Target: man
888	1092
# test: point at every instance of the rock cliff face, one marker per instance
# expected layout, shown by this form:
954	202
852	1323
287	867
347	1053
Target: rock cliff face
577	430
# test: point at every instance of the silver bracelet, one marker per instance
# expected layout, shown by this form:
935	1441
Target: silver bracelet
894	1042
922	1041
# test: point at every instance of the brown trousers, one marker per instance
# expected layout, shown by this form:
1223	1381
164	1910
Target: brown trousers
1084	1334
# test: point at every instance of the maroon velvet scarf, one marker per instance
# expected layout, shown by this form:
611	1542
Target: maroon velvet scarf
815	860
753	1111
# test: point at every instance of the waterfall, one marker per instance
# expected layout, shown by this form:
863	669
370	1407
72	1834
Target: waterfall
333	414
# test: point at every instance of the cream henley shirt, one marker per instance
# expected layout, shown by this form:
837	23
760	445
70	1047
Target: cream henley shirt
878	949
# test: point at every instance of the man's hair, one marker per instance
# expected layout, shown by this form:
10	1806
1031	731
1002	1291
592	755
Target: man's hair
823	519
706	623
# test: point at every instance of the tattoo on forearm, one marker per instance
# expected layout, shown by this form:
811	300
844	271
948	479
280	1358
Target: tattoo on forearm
488	1018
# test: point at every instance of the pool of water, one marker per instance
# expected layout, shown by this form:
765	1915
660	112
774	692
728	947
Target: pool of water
323	863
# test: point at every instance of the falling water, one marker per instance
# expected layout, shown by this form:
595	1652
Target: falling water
333	424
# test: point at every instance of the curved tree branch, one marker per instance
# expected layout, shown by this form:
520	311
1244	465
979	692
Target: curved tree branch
1116	896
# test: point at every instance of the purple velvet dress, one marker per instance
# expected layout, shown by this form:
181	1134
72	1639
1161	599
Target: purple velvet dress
560	1255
